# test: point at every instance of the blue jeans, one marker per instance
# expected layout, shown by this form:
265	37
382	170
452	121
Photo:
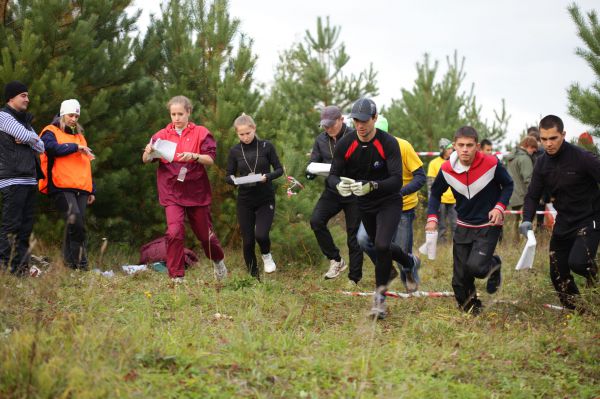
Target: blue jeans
403	237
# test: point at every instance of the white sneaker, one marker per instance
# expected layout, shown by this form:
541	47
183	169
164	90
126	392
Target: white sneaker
220	270
178	280
270	266
335	268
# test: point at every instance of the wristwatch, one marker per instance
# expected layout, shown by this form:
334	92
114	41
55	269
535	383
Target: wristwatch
374	185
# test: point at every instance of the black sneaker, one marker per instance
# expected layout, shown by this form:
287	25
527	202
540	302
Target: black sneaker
495	276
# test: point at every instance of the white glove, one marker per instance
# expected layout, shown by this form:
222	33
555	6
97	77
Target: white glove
344	189
359	189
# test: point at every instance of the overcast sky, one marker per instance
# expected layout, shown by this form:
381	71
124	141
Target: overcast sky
518	50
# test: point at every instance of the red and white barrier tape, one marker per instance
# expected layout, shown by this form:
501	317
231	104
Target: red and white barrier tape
436	153
537	212
395	294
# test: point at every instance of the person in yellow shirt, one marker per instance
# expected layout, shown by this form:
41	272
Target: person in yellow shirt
447	214
413	178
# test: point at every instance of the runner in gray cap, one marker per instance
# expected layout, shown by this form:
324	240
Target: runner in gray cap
331	202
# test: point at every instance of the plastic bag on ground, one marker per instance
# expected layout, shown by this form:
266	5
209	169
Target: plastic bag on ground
132	269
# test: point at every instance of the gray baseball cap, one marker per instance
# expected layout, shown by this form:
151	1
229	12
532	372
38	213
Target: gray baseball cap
329	115
363	109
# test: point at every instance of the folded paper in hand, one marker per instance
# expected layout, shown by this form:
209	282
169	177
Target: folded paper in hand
164	149
429	248
526	260
246	179
320	169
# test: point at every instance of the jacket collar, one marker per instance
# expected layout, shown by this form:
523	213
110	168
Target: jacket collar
23	117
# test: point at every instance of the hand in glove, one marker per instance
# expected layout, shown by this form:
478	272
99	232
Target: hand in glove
344	189
359	189
524	227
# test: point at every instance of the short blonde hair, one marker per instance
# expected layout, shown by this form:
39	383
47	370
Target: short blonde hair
244	120
183	100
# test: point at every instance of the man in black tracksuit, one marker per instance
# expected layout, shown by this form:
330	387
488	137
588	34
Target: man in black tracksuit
331	202
571	176
368	164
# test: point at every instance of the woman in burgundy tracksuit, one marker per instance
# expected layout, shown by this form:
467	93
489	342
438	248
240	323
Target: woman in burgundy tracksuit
184	188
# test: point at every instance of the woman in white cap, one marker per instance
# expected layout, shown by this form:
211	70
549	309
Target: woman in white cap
68	178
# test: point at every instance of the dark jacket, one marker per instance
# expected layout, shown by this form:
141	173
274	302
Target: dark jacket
520	167
322	152
17	160
571	176
243	163
485	185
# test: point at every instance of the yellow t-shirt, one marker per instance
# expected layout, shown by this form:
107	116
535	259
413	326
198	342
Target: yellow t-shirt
410	163
432	171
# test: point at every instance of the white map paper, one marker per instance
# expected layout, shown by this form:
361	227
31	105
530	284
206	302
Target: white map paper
320	169
164	149
246	179
526	259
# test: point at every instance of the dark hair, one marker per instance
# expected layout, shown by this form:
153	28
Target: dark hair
534	133
532	130
552	121
486	142
466	131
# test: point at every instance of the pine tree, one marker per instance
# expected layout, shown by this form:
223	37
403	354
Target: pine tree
88	50
435	108
584	104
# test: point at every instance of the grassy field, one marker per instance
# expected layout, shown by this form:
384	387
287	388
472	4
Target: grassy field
82	335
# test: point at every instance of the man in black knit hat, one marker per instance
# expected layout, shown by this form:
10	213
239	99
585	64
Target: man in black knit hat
19	172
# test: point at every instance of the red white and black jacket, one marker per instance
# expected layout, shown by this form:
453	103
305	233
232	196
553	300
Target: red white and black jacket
478	189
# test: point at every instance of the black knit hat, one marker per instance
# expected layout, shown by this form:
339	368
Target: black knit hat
13	89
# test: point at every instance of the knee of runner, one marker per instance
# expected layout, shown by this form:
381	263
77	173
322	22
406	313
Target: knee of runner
317	224
175	232
382	246
478	269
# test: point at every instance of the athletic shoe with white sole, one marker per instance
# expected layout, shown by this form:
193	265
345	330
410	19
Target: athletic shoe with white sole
379	309
410	277
335	268
269	263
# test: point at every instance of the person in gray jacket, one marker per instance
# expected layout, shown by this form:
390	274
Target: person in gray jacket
520	167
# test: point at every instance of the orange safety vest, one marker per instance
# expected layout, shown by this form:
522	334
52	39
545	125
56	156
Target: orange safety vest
70	171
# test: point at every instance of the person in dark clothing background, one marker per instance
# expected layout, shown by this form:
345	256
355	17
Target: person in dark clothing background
331	203
255	201
19	172
368	164
571	176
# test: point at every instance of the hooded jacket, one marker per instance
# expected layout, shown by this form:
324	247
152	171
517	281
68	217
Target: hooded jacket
520	167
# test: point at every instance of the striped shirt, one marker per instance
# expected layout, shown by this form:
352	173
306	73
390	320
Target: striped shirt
10	126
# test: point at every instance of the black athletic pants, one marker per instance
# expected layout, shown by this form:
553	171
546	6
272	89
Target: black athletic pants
255	224
18	207
326	208
473	250
381	224
72	205
573	253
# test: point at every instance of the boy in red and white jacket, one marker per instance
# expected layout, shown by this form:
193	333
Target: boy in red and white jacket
482	188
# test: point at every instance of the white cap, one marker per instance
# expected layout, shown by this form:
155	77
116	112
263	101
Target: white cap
70	107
